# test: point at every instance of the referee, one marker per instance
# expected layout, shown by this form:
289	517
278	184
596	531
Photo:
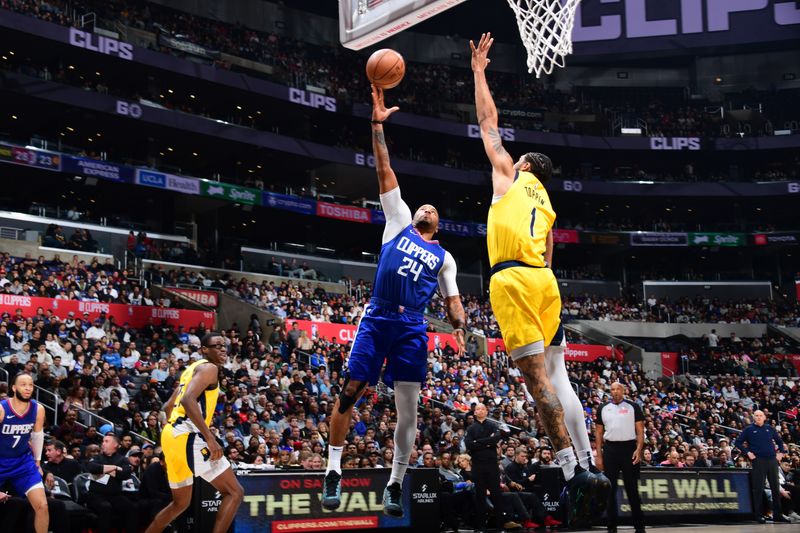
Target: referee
620	440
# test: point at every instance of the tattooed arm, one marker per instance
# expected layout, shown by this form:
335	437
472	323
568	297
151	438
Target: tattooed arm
502	164
387	180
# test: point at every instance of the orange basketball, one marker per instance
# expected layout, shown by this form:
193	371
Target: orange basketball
386	68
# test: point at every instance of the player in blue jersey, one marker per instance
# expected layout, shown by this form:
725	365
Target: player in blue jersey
393	327
21	443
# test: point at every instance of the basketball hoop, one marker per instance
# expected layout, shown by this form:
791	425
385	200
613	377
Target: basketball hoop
546	30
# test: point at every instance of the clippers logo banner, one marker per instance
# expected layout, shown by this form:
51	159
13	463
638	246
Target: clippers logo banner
574	352
136	315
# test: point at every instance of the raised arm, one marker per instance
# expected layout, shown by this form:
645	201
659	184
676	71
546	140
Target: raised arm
386	177
502	164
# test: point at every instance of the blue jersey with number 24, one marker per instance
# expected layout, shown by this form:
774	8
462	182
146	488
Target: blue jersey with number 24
408	270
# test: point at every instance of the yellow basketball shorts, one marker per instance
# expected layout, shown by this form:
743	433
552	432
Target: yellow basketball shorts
527	305
186	455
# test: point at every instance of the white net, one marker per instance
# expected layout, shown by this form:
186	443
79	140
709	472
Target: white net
546	30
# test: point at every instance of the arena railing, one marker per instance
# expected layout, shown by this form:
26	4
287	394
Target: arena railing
84	415
309	359
255	277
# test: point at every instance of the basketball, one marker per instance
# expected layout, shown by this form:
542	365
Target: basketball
386	68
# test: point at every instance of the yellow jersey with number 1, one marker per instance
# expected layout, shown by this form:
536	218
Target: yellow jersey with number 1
207	399
519	223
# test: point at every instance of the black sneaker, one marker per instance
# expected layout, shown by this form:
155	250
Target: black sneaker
332	491
393	500
602	490
578	498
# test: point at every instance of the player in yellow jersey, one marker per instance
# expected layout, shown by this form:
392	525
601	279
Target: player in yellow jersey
190	449
525	297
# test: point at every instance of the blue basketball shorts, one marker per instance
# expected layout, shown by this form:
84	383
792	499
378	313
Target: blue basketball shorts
21	472
398	338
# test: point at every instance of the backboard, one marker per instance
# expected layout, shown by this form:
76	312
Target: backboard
365	22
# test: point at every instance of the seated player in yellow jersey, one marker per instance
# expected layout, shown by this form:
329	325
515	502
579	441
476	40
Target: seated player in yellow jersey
190	448
525	298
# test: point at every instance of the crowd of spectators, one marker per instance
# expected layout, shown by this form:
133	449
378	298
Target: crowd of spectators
300	63
307	300
275	402
695	310
279	390
73	279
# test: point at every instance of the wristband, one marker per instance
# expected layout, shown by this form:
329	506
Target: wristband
458	329
376	121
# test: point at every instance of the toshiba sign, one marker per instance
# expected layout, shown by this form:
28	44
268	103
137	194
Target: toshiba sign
344	212
207	298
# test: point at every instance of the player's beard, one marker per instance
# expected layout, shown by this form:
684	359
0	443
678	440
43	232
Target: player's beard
424	226
19	397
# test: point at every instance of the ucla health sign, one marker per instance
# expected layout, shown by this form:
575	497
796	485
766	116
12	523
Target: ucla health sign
151	178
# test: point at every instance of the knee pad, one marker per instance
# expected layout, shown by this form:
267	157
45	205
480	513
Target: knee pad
347	401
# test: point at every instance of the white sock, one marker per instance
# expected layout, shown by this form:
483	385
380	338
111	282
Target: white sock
585	458
406	396
567	461
574	417
398	473
335	459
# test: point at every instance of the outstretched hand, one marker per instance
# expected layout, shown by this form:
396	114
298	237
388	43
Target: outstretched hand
379	111
480	54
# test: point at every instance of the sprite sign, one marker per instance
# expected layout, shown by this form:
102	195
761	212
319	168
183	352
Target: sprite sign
232	193
716	239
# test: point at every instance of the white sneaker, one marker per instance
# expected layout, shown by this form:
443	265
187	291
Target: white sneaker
794	516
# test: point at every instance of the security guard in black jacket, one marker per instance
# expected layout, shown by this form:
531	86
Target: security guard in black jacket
105	497
481	441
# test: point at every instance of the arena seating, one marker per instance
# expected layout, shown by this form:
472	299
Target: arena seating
300	63
279	384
